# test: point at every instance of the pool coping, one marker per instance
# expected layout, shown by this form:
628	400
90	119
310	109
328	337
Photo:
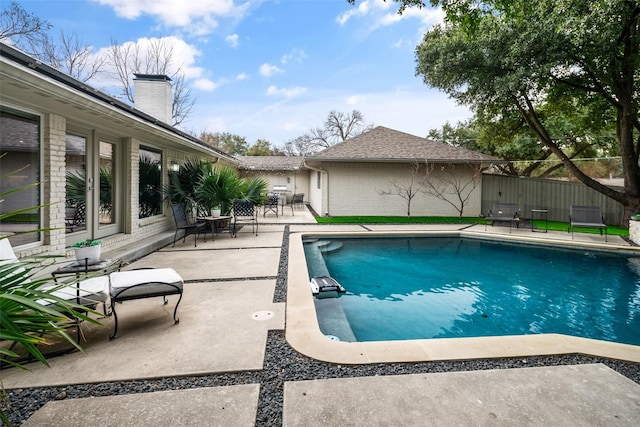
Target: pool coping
303	333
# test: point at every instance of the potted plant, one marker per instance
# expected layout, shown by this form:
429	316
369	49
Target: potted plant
88	250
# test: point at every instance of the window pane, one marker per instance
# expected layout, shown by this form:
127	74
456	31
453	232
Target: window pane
75	200
20	166
107	151
150	183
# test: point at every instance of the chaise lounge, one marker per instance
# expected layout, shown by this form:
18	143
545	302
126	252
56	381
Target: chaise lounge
118	287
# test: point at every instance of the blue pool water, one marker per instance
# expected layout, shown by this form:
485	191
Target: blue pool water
416	288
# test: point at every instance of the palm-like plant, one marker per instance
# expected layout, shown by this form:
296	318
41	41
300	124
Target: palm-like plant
219	188
30	313
201	187
183	184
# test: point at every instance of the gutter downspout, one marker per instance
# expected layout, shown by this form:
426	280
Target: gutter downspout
324	190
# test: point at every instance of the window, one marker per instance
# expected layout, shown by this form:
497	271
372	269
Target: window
318	179
20	167
75	207
150	182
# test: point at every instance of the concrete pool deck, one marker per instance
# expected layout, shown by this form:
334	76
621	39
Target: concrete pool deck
225	318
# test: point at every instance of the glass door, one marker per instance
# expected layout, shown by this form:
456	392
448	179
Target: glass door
91	202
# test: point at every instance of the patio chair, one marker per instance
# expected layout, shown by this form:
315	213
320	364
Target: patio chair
273	200
75	217
586	217
297	200
504	212
182	223
244	211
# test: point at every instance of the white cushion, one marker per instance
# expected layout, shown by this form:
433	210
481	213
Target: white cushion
91	291
125	279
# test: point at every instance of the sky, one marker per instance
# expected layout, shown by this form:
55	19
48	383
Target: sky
274	69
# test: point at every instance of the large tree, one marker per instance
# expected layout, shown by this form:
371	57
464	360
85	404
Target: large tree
337	127
506	56
489	55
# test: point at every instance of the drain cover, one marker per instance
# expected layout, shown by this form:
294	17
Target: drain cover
332	337
262	315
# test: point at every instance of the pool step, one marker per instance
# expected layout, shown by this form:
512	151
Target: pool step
328	247
332	319
315	260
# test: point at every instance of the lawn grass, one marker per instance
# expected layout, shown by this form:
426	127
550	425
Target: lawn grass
399	220
564	226
553	225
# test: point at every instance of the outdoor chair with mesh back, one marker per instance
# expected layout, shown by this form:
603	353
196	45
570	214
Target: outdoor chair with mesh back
297	201
244	212
182	223
587	217
271	205
75	217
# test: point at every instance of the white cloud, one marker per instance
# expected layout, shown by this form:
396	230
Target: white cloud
290	92
268	70
378	13
364	8
196	17
242	76
232	40
296	55
205	85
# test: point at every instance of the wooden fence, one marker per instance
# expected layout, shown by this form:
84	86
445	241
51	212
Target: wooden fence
555	196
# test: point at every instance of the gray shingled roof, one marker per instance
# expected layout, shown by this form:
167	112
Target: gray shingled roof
384	144
270	163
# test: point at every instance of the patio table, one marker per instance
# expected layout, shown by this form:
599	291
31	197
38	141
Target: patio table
214	222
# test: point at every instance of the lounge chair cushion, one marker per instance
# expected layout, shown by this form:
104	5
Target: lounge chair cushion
92	291
145	283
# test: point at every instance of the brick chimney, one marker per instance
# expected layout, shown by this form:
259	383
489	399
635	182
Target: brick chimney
152	95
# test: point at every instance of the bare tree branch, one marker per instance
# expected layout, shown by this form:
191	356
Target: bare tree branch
450	186
409	188
157	58
22	29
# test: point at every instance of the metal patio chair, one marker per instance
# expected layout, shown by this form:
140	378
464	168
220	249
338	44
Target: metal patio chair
271	205
586	217
504	212
297	200
244	211
182	223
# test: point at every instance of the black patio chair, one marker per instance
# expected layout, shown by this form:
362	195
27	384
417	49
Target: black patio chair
504	212
75	216
182	223
297	200
271	205
244	211
587	217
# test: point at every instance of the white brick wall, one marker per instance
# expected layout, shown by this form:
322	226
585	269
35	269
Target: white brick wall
634	231
154	97
355	189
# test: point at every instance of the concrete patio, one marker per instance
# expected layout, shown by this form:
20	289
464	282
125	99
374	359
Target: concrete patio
231	332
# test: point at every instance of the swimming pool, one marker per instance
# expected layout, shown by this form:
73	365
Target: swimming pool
405	288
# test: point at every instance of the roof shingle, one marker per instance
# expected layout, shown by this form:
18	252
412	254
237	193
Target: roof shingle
384	144
271	163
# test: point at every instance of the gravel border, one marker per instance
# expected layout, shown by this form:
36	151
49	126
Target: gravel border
282	363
